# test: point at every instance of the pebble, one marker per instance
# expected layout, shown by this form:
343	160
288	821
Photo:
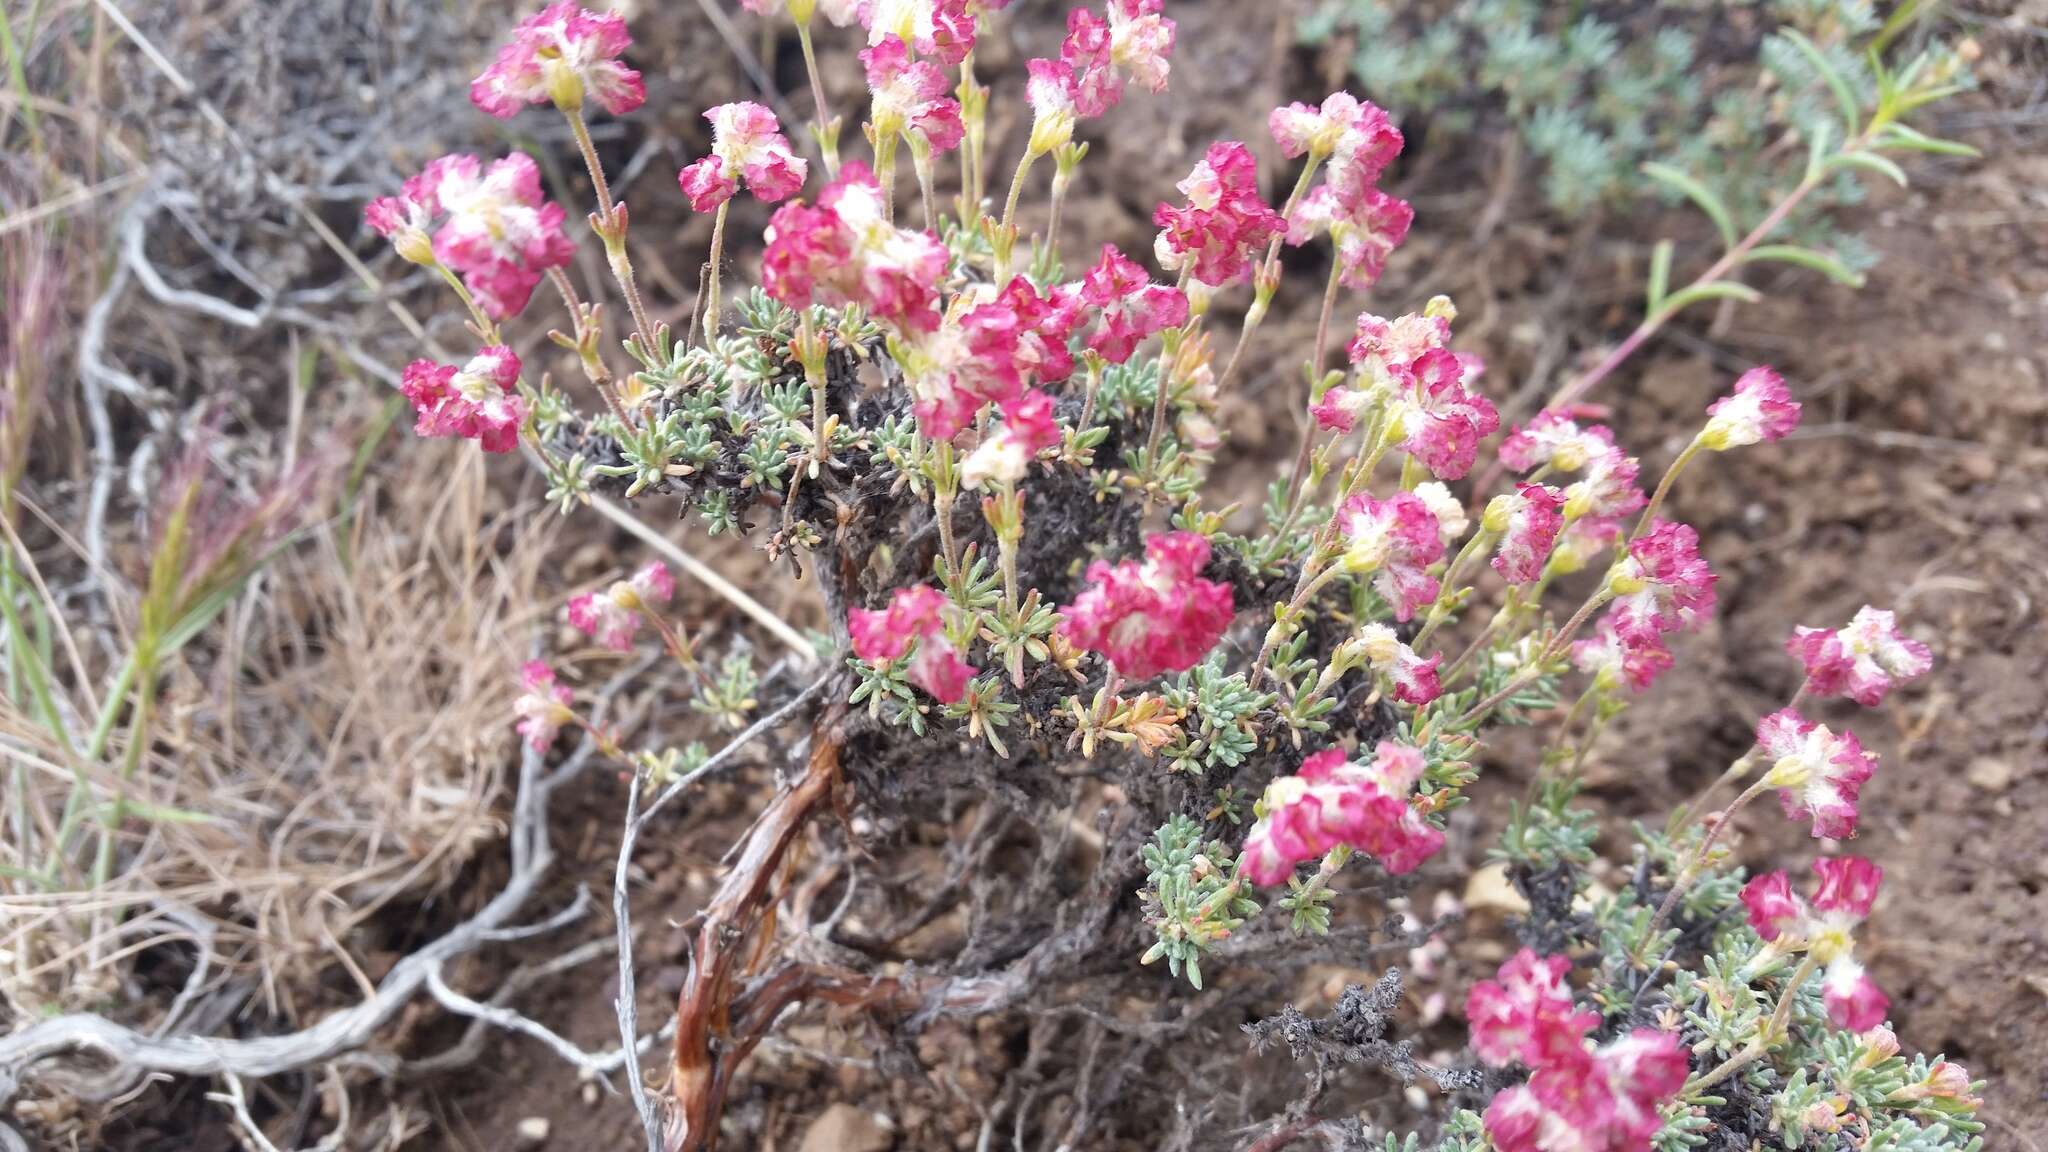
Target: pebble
845	1128
1989	774
533	1130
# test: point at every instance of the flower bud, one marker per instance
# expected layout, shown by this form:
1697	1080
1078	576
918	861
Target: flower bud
802	11
415	246
1440	308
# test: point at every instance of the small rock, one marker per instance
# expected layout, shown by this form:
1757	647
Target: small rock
1981	467
533	1130
1989	774
845	1128
1488	889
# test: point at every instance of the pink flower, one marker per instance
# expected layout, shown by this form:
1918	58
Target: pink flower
1526	1013
1053	94
1130	306
1862	661
1021	336
746	142
1759	409
1817	773
1554	438
1140	40
844	251
1613	661
496	228
478	401
1530	520
562	54
910	96
542	708
1027	429
1854	1001
942	29
914	617
1385	351
1592	1101
1093	85
1155	617
1444	422
1332	801
1224	221
1848	887
1607	489
1355	135
611	617
1414	679
1662	585
1773	909
1366	227
1396	540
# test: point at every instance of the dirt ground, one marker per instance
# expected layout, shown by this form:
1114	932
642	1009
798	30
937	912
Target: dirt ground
1919	482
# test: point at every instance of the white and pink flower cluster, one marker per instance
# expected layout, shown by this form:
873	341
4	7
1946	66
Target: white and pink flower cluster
1152	617
613	616
479	401
1580	1098
565	55
914	622
1863	660
1842	900
542	706
746	144
1332	801
1096	59
1395	540
1818	773
1215	236
1355	140
1407	373
843	251
491	225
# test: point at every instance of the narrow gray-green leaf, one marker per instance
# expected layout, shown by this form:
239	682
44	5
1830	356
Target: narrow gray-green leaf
1914	140
1869	162
1699	194
1712	290
1660	273
1820	262
1845	96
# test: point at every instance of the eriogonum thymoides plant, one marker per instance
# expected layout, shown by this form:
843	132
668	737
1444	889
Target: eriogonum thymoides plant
994	467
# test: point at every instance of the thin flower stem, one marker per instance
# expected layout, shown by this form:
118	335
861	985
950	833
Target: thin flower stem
1664	486
1308	428
921	163
885	172
713	311
611	222
1267	268
598	184
1756	1048
1536	666
485	326
1735	771
1503	615
821	112
1656	320
1693	867
1438	612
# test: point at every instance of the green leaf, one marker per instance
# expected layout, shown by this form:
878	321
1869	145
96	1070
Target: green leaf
1699	194
1869	162
1845	96
1712	290
1660	273
1820	262
1914	140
